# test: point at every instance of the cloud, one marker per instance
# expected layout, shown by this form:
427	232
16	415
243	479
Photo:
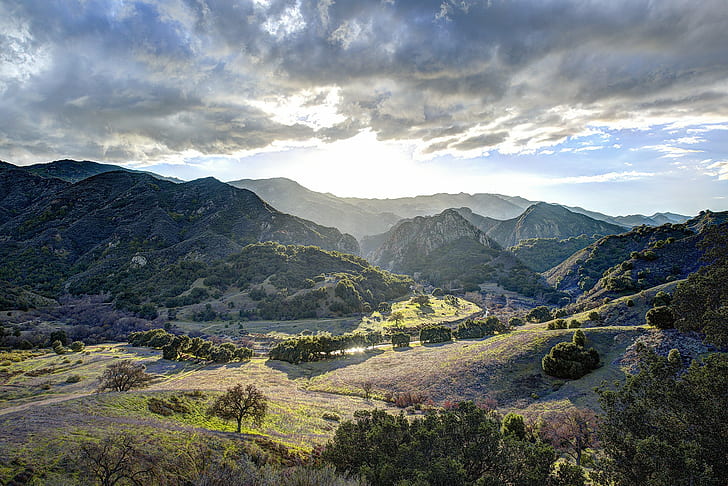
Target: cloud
141	81
608	177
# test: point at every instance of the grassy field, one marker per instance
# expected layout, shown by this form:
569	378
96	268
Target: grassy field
413	315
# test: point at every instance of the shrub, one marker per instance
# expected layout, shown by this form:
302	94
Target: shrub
409	399
557	324
568	360
73	379
594	316
539	314
400	340
661	317
435	334
333	416
574	324
630	303
579	338
77	346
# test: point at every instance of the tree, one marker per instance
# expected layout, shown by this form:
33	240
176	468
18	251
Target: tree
421	300
666	425
579	338
539	314
435	334
513	425
400	340
661	317
239	403
568	360
397	317
116	459
77	346
123	376
572	432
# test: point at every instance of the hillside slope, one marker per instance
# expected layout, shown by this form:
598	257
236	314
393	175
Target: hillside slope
120	218
635	260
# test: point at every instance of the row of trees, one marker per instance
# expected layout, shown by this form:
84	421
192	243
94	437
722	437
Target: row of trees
322	346
179	347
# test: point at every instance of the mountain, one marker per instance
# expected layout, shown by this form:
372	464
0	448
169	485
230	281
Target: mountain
447	251
115	223
326	209
20	189
541	254
540	220
633	220
635	260
490	205
77	170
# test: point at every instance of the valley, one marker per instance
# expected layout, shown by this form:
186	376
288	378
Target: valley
407	306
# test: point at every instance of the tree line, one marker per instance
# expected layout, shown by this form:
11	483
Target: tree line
179	347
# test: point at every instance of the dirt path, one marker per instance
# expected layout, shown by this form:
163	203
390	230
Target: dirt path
38	403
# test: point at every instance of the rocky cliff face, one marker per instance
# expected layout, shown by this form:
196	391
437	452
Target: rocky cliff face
419	237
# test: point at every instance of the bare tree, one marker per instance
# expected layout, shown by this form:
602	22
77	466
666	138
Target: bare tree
123	376
116	459
572	432
239	403
367	387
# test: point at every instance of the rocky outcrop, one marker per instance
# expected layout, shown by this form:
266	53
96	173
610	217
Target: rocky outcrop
419	237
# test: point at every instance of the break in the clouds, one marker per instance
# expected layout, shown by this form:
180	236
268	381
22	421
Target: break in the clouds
183	81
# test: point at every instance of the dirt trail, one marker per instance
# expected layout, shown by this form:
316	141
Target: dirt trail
38	403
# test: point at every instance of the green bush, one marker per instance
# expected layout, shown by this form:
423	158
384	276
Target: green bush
400	340
568	360
661	317
77	346
435	334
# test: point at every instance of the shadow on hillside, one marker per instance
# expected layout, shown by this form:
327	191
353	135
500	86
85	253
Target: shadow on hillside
317	368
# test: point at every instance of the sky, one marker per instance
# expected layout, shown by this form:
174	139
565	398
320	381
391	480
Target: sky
618	106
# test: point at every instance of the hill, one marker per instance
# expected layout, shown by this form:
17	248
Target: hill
448	251
76	170
290	197
541	254
635	260
123	221
540	220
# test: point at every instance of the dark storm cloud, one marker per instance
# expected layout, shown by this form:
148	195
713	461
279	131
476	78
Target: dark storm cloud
138	80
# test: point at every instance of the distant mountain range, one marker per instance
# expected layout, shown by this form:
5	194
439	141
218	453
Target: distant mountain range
540	220
359	216
368	217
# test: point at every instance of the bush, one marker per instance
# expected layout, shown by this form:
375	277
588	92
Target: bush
579	338
594	316
539	314
409	399
568	360
661	317
77	346
557	324
435	334
400	340
574	324
73	379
